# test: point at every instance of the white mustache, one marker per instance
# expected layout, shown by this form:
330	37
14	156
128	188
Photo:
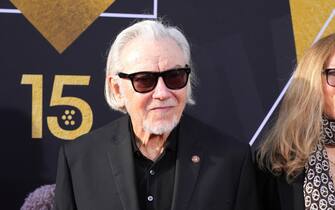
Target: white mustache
162	104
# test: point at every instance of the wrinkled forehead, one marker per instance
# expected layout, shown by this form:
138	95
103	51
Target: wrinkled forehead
144	54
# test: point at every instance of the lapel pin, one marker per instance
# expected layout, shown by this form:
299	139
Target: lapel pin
195	159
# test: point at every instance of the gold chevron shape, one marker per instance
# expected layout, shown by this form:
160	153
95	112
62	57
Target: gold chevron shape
308	19
61	21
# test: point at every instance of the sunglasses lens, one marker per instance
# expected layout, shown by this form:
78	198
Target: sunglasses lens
176	79
144	82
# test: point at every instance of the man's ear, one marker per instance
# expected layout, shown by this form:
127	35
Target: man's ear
114	86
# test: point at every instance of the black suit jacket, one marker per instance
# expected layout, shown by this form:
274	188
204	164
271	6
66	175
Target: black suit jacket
277	194
96	171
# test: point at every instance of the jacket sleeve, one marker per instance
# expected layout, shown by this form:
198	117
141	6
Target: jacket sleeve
247	193
64	196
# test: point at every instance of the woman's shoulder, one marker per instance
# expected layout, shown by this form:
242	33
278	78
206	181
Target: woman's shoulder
276	191
267	182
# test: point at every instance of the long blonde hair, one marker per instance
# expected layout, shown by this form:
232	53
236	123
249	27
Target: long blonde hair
296	131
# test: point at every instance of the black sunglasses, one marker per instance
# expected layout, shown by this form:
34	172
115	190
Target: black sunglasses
330	76
146	81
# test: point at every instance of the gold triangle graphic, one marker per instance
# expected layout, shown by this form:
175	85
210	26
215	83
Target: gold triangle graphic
61	21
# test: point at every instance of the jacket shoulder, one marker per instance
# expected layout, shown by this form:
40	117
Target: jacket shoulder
211	137
97	138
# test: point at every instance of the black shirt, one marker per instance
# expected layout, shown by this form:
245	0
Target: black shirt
155	179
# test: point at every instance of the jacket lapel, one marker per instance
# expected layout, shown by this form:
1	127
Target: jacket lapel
187	166
122	164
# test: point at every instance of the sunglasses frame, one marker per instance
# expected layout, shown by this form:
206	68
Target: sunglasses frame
326	72
156	75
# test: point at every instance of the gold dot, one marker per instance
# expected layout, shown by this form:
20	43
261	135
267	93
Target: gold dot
69	117
66	122
67	112
73	112
63	117
72	122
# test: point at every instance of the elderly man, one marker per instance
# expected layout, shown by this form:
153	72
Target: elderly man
155	157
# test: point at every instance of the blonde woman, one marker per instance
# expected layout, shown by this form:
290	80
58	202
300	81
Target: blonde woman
297	157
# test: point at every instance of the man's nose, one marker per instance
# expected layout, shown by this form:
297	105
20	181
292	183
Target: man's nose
161	92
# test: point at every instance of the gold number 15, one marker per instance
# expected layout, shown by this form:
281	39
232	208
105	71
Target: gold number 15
36	81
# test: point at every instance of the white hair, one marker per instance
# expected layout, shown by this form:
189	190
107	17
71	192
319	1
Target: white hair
147	28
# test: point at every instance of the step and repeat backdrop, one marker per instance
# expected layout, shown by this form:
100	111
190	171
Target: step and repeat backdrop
53	55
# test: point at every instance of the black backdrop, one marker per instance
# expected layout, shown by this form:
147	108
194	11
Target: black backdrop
243	51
